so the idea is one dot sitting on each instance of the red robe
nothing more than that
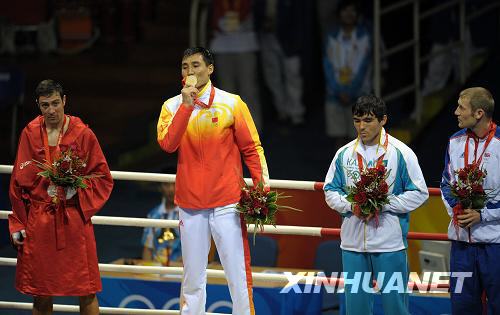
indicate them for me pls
(42, 268)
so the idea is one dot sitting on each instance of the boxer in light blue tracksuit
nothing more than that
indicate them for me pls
(366, 246)
(476, 245)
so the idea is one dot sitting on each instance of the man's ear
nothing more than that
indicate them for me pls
(479, 113)
(64, 100)
(210, 69)
(384, 120)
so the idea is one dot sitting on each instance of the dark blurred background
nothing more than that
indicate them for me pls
(118, 60)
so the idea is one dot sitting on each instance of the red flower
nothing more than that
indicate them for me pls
(462, 193)
(264, 210)
(462, 174)
(381, 170)
(360, 197)
(356, 210)
(383, 187)
(63, 147)
(65, 166)
(477, 189)
(245, 195)
(364, 180)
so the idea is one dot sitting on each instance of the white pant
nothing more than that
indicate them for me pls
(283, 78)
(229, 233)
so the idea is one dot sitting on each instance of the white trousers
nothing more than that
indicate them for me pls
(230, 236)
(283, 78)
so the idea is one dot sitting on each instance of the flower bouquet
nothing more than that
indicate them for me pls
(370, 193)
(65, 172)
(259, 206)
(468, 190)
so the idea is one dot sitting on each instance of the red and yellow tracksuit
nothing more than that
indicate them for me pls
(211, 142)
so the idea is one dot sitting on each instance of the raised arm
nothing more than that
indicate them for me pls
(172, 126)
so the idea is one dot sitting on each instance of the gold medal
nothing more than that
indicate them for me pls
(345, 75)
(191, 80)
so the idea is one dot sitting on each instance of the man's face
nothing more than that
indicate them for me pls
(349, 15)
(52, 108)
(195, 65)
(467, 118)
(368, 128)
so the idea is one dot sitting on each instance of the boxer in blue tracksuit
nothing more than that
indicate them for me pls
(476, 241)
(368, 246)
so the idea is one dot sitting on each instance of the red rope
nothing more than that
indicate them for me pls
(434, 191)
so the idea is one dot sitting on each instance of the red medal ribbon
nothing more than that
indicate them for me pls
(210, 100)
(491, 134)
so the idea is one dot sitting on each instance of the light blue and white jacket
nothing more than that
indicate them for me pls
(150, 235)
(407, 191)
(488, 230)
(352, 52)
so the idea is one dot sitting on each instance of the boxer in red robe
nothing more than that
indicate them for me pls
(54, 236)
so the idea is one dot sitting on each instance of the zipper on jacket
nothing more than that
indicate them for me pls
(364, 235)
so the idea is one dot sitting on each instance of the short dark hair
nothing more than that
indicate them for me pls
(205, 53)
(47, 88)
(369, 104)
(479, 98)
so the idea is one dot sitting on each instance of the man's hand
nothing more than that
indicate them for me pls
(189, 91)
(18, 238)
(188, 95)
(469, 218)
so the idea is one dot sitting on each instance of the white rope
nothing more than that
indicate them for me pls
(102, 310)
(156, 177)
(211, 273)
(142, 222)
(276, 278)
(6, 169)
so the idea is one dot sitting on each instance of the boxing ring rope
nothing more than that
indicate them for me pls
(102, 310)
(277, 278)
(268, 229)
(155, 177)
